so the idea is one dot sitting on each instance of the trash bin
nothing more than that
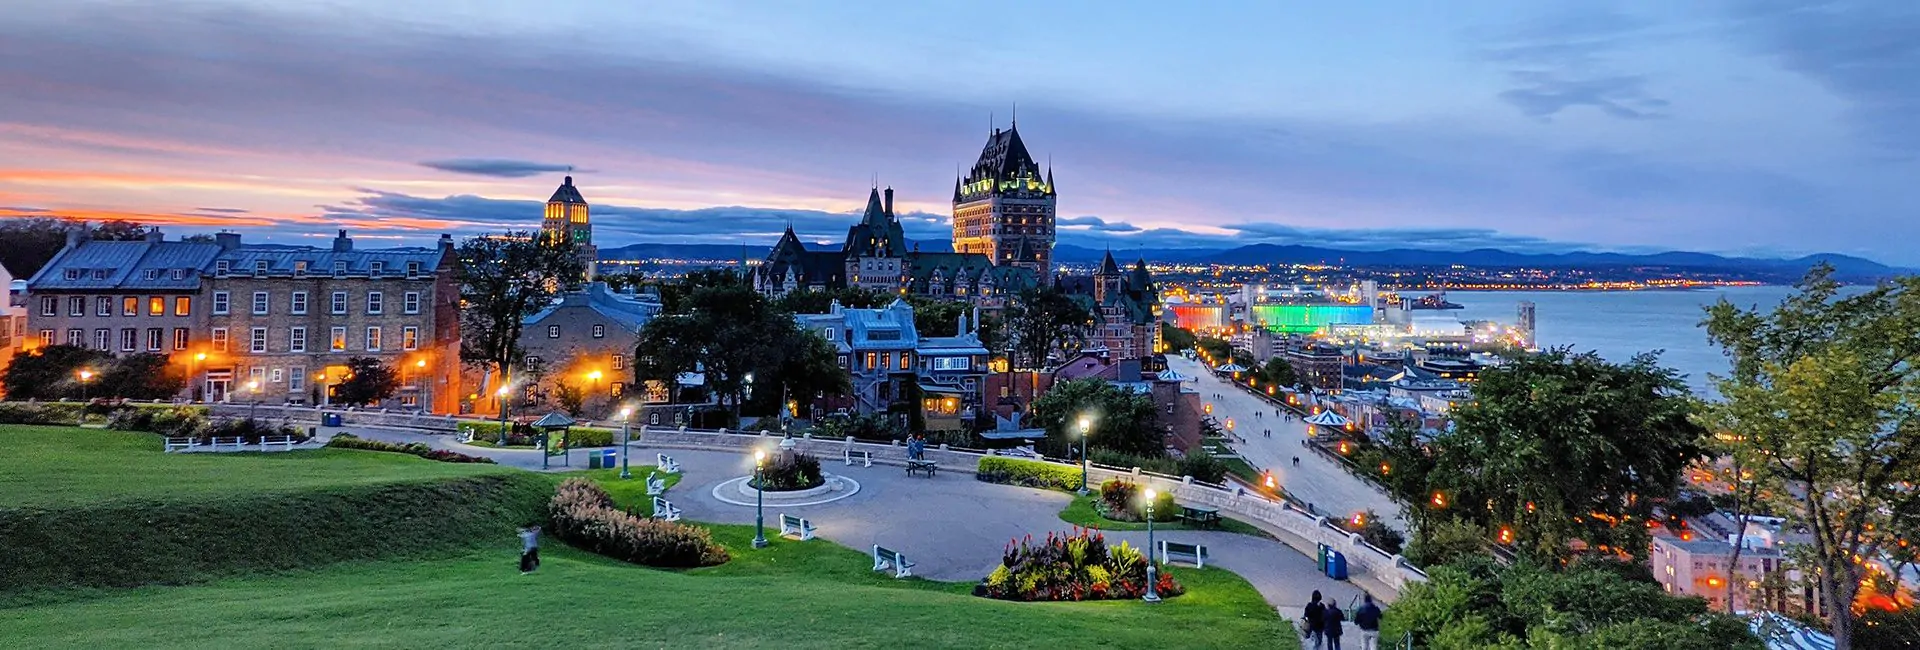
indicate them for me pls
(1320, 558)
(1337, 566)
(330, 419)
(602, 459)
(593, 461)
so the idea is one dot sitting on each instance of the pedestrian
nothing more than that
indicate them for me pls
(1368, 619)
(1331, 627)
(1312, 621)
(1296, 461)
(529, 548)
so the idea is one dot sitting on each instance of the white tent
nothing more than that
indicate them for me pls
(1327, 419)
(1231, 367)
(1170, 375)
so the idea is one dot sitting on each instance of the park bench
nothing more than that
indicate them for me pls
(1196, 553)
(466, 434)
(885, 558)
(180, 444)
(1199, 517)
(235, 442)
(284, 442)
(922, 466)
(668, 464)
(866, 457)
(796, 527)
(665, 510)
(656, 485)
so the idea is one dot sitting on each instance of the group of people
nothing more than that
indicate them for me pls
(917, 447)
(1323, 623)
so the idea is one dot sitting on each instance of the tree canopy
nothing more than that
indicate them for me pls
(731, 332)
(503, 280)
(368, 381)
(53, 372)
(1823, 389)
(1176, 338)
(1044, 320)
(1122, 420)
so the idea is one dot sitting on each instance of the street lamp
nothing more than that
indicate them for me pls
(193, 374)
(1086, 431)
(85, 376)
(626, 441)
(759, 499)
(502, 394)
(1153, 592)
(253, 387)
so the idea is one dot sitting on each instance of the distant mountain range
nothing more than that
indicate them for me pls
(1846, 265)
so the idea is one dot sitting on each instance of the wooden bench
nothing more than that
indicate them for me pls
(466, 434)
(235, 442)
(284, 442)
(922, 466)
(885, 558)
(795, 527)
(665, 510)
(1199, 517)
(866, 457)
(1195, 553)
(181, 444)
(656, 485)
(667, 464)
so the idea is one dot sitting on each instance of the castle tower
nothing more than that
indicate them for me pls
(1106, 281)
(1004, 206)
(567, 220)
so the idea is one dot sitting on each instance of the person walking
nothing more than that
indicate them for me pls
(529, 548)
(1368, 620)
(1296, 461)
(1312, 619)
(1331, 627)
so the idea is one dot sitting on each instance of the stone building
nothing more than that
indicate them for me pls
(269, 323)
(877, 256)
(1004, 208)
(1126, 308)
(587, 340)
(890, 365)
(568, 218)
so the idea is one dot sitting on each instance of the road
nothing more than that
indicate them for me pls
(1325, 484)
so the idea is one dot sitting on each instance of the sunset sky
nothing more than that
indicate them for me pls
(1770, 128)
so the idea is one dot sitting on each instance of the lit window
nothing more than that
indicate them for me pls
(373, 339)
(182, 305)
(338, 340)
(409, 337)
(129, 306)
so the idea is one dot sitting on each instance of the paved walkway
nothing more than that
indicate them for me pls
(952, 526)
(1324, 483)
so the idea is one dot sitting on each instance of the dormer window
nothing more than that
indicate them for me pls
(299, 268)
(150, 274)
(259, 268)
(99, 274)
(374, 270)
(178, 274)
(72, 274)
(413, 269)
(340, 269)
(222, 267)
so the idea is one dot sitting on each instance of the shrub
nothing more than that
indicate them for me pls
(791, 471)
(1122, 501)
(577, 437)
(581, 513)
(1029, 473)
(1198, 464)
(38, 413)
(350, 441)
(1080, 566)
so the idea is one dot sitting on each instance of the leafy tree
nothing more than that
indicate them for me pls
(1888, 630)
(1122, 421)
(53, 372)
(674, 295)
(728, 331)
(1277, 372)
(503, 280)
(572, 398)
(1823, 389)
(1558, 447)
(809, 368)
(31, 243)
(1176, 338)
(368, 381)
(938, 317)
(819, 302)
(1043, 320)
(863, 426)
(141, 376)
(1444, 541)
(1218, 349)
(121, 230)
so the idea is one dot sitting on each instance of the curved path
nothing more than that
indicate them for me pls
(952, 526)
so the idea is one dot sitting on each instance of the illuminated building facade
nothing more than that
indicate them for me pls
(1004, 207)
(1309, 319)
(1126, 308)
(586, 341)
(877, 256)
(567, 220)
(1199, 317)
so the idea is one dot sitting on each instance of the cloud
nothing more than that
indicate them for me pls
(1561, 62)
(1867, 53)
(1095, 224)
(223, 210)
(495, 167)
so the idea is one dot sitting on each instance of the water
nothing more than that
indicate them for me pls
(1620, 324)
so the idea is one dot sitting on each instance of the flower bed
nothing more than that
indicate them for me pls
(350, 441)
(1122, 501)
(1080, 566)
(582, 514)
(790, 471)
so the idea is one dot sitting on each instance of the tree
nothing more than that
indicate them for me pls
(727, 331)
(1881, 629)
(121, 230)
(810, 368)
(1277, 372)
(1823, 388)
(1558, 447)
(1042, 320)
(572, 398)
(937, 317)
(1122, 420)
(53, 372)
(811, 301)
(503, 280)
(674, 295)
(368, 381)
(31, 242)
(140, 376)
(1176, 338)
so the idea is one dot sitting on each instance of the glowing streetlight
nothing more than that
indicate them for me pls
(1153, 592)
(501, 393)
(759, 499)
(626, 441)
(85, 376)
(253, 388)
(1086, 431)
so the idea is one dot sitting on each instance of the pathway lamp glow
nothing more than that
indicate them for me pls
(626, 441)
(253, 388)
(85, 376)
(1086, 431)
(1153, 590)
(501, 393)
(759, 499)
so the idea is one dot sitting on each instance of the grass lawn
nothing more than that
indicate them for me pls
(53, 466)
(1080, 512)
(790, 595)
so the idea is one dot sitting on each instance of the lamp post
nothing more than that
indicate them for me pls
(1153, 592)
(85, 376)
(593, 386)
(1086, 431)
(759, 500)
(626, 441)
(198, 360)
(253, 389)
(502, 394)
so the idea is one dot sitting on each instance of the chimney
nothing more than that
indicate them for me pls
(446, 243)
(889, 202)
(227, 240)
(78, 234)
(976, 317)
(153, 235)
(342, 243)
(961, 328)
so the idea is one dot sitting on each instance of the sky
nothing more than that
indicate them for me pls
(1744, 127)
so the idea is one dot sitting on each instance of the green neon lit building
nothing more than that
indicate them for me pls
(1308, 319)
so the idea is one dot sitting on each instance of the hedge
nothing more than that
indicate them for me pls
(126, 544)
(577, 437)
(350, 441)
(1029, 473)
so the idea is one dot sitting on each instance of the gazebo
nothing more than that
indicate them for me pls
(1326, 418)
(548, 424)
(1172, 375)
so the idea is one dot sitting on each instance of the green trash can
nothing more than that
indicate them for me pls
(1320, 559)
(593, 461)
